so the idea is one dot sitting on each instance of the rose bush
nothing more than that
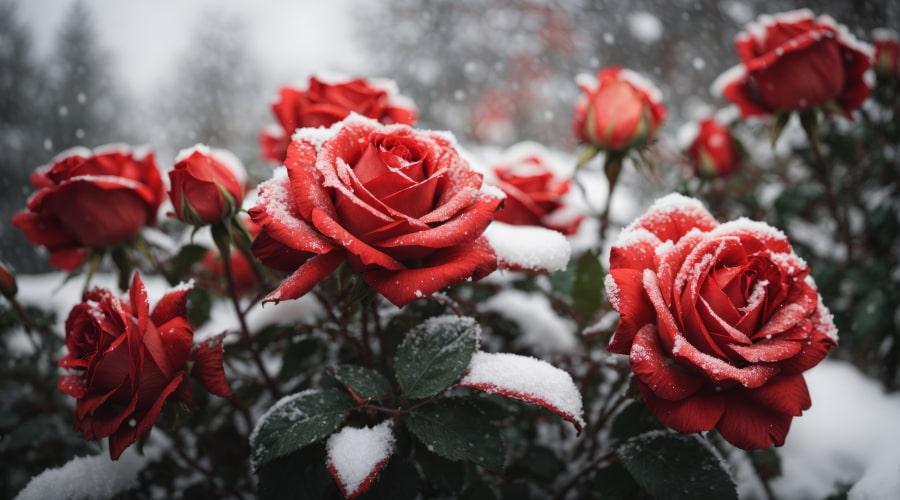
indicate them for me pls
(534, 192)
(399, 205)
(206, 185)
(793, 62)
(618, 110)
(719, 322)
(125, 362)
(324, 102)
(713, 151)
(71, 211)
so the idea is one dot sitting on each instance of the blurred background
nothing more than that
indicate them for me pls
(170, 74)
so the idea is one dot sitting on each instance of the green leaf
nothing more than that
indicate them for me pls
(444, 474)
(365, 382)
(297, 421)
(587, 290)
(613, 482)
(542, 464)
(434, 354)
(457, 431)
(26, 434)
(187, 256)
(478, 490)
(631, 421)
(676, 466)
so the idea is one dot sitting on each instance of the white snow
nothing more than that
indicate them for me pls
(357, 454)
(91, 477)
(526, 378)
(645, 26)
(529, 247)
(542, 329)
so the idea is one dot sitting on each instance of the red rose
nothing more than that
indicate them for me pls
(619, 110)
(887, 54)
(793, 62)
(534, 194)
(326, 102)
(205, 187)
(125, 362)
(91, 200)
(399, 205)
(712, 149)
(719, 322)
(8, 286)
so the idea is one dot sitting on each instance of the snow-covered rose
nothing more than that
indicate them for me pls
(91, 199)
(204, 188)
(325, 101)
(618, 110)
(399, 205)
(124, 362)
(713, 152)
(719, 322)
(534, 193)
(792, 62)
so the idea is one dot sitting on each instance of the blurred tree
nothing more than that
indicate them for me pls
(84, 103)
(213, 95)
(21, 136)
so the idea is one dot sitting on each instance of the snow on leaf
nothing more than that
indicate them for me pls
(529, 379)
(529, 247)
(357, 455)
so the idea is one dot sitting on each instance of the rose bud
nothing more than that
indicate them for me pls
(8, 285)
(618, 110)
(124, 362)
(711, 148)
(795, 62)
(534, 193)
(719, 322)
(325, 101)
(207, 185)
(88, 200)
(887, 54)
(399, 205)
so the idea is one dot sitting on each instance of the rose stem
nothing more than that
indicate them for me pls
(245, 332)
(823, 169)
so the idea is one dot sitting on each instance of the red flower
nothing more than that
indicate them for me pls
(325, 102)
(8, 286)
(793, 62)
(887, 54)
(399, 205)
(619, 110)
(125, 362)
(719, 322)
(712, 149)
(91, 200)
(534, 194)
(205, 187)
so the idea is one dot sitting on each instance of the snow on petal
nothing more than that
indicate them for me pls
(529, 247)
(529, 379)
(542, 329)
(357, 455)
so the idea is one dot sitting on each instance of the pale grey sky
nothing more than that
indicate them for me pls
(290, 38)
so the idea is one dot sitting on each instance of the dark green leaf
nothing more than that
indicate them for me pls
(296, 421)
(300, 357)
(675, 466)
(365, 382)
(457, 431)
(279, 479)
(873, 314)
(587, 291)
(542, 464)
(398, 481)
(26, 434)
(199, 306)
(631, 421)
(187, 256)
(434, 355)
(478, 490)
(444, 474)
(613, 482)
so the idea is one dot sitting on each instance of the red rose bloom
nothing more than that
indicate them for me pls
(91, 200)
(125, 362)
(204, 185)
(534, 194)
(399, 205)
(712, 149)
(887, 54)
(619, 110)
(719, 322)
(793, 62)
(326, 102)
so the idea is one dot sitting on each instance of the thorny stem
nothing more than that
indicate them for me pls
(246, 337)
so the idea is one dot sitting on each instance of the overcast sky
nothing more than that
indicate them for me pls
(290, 38)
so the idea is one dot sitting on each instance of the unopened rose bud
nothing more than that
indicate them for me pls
(8, 286)
(206, 185)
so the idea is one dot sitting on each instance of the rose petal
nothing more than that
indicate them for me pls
(208, 366)
(768, 350)
(694, 414)
(750, 426)
(306, 277)
(717, 370)
(625, 291)
(674, 216)
(651, 366)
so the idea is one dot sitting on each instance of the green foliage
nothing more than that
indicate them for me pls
(433, 356)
